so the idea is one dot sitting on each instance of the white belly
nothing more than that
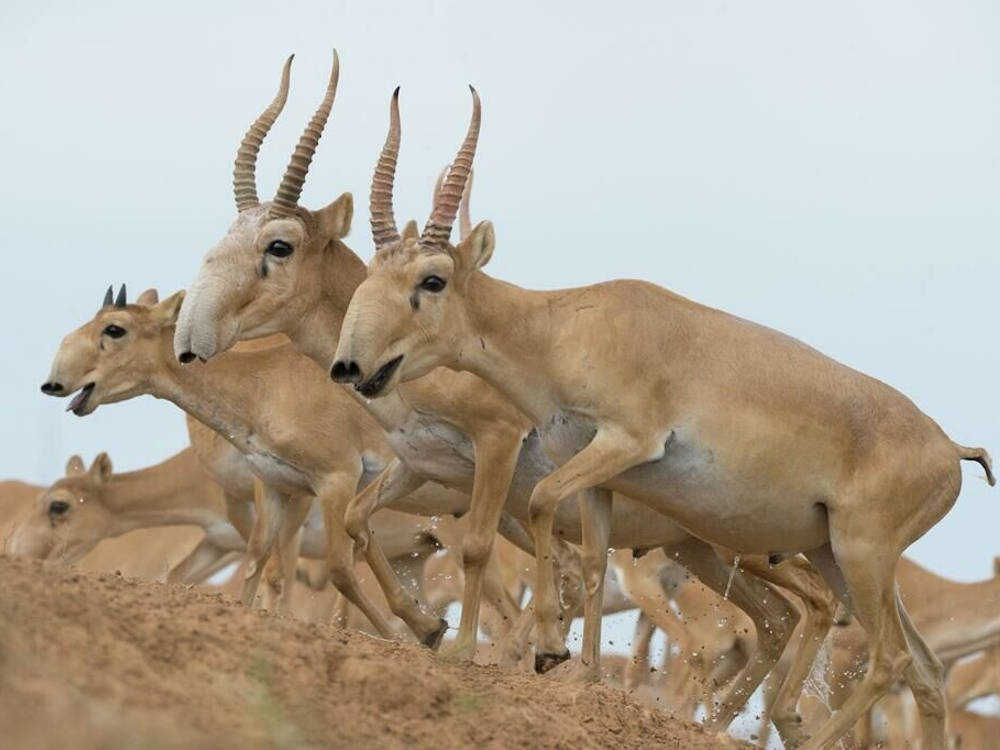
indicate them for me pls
(436, 450)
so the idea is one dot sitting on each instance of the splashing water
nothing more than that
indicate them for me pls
(732, 574)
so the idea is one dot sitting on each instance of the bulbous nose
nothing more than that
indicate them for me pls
(345, 372)
(52, 388)
(186, 358)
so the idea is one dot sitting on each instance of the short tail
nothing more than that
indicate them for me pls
(980, 456)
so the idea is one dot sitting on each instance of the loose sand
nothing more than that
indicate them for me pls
(100, 661)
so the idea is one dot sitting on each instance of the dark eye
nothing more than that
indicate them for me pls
(432, 284)
(115, 332)
(280, 249)
(58, 507)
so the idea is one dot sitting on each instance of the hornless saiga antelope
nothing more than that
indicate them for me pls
(283, 268)
(296, 438)
(747, 437)
(143, 553)
(86, 506)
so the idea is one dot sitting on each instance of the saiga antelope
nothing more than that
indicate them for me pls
(749, 438)
(283, 268)
(86, 506)
(143, 553)
(264, 402)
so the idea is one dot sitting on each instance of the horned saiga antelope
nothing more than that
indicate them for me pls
(284, 268)
(746, 437)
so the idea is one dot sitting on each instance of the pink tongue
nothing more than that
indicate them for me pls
(78, 399)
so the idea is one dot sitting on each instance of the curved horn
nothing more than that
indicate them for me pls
(244, 181)
(464, 219)
(439, 184)
(109, 296)
(287, 197)
(120, 299)
(384, 230)
(438, 229)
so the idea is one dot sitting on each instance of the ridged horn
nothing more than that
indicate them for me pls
(120, 299)
(464, 218)
(109, 296)
(287, 197)
(244, 179)
(438, 230)
(383, 222)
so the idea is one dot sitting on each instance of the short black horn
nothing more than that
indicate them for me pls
(120, 300)
(109, 297)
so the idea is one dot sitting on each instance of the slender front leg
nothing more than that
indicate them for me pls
(637, 668)
(610, 453)
(394, 482)
(240, 513)
(773, 616)
(270, 504)
(289, 543)
(428, 629)
(595, 518)
(496, 458)
(198, 565)
(335, 494)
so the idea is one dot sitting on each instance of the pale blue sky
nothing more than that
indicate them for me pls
(829, 169)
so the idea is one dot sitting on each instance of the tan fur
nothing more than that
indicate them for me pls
(449, 427)
(749, 438)
(97, 504)
(293, 429)
(974, 678)
(145, 553)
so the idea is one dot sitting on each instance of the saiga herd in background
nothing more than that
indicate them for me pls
(752, 460)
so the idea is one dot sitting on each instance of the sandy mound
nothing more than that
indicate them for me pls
(94, 661)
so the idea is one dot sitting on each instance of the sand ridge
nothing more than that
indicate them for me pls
(99, 660)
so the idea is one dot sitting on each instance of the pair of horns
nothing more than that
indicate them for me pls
(110, 299)
(447, 196)
(244, 180)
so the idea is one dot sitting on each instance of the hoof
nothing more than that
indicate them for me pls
(545, 662)
(433, 639)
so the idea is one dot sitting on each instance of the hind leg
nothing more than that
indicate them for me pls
(637, 668)
(925, 676)
(866, 559)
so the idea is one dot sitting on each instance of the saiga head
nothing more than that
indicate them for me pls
(70, 518)
(116, 355)
(409, 315)
(256, 279)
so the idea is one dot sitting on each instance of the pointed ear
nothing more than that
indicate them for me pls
(148, 298)
(75, 466)
(166, 312)
(410, 232)
(475, 251)
(100, 470)
(335, 219)
(996, 566)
